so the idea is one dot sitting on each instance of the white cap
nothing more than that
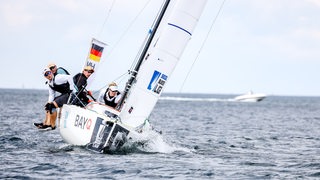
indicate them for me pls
(46, 70)
(113, 88)
(88, 68)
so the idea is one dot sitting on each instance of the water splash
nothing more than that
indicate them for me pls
(153, 142)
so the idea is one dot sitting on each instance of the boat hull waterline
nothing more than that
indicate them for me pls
(98, 131)
(250, 97)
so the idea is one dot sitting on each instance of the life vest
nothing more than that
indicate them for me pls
(61, 88)
(110, 101)
(62, 70)
(80, 82)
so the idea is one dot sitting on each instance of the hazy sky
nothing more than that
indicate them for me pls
(268, 46)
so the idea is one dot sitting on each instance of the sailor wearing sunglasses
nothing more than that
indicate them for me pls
(60, 86)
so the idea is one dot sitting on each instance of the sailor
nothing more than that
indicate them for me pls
(110, 96)
(57, 70)
(60, 83)
(80, 80)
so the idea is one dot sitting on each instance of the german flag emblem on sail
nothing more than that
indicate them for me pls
(95, 52)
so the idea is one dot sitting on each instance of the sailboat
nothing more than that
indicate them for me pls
(101, 128)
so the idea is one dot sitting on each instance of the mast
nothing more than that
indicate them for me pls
(143, 54)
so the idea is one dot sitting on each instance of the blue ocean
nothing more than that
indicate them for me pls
(203, 136)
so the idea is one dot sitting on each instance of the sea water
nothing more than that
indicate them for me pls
(203, 136)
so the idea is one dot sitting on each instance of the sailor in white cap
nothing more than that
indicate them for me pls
(60, 83)
(110, 96)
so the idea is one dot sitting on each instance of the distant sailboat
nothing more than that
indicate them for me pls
(251, 97)
(102, 128)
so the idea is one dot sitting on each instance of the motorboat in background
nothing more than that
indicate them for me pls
(251, 97)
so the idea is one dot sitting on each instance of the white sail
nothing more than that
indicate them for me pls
(160, 60)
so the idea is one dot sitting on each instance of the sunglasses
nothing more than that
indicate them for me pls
(47, 73)
(52, 67)
(89, 71)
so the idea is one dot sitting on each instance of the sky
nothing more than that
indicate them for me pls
(267, 46)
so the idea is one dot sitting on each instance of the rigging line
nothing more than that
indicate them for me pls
(107, 17)
(127, 29)
(122, 35)
(140, 51)
(142, 55)
(145, 40)
(204, 42)
(107, 84)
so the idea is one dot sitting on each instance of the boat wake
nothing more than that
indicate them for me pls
(169, 98)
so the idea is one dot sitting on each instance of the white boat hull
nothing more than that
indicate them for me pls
(99, 130)
(250, 97)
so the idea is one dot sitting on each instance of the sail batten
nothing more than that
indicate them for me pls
(170, 24)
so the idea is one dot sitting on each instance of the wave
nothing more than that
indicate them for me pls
(152, 142)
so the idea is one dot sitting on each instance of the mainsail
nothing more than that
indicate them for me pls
(160, 60)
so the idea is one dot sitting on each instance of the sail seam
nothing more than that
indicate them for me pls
(180, 28)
